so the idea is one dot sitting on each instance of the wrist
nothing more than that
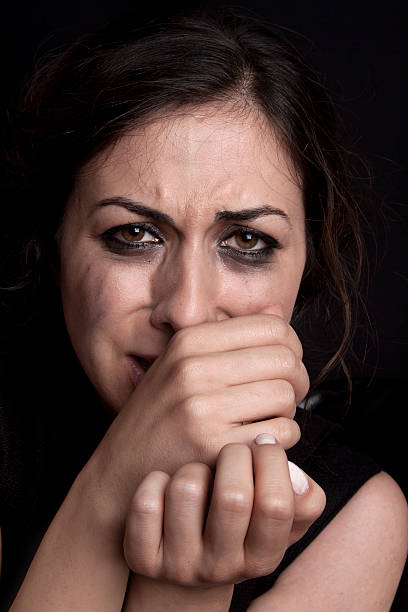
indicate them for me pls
(91, 496)
(79, 564)
(145, 595)
(113, 476)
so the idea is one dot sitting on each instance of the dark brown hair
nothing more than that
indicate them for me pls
(126, 75)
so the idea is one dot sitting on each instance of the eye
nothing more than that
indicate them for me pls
(248, 245)
(136, 233)
(131, 236)
(245, 240)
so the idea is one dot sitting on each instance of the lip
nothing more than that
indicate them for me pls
(138, 365)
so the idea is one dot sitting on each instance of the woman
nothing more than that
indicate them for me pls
(184, 194)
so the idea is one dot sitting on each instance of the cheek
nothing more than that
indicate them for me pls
(97, 297)
(272, 291)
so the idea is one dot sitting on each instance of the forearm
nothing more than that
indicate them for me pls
(79, 564)
(147, 595)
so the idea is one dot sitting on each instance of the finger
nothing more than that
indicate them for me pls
(185, 509)
(144, 525)
(286, 431)
(230, 509)
(243, 366)
(308, 506)
(273, 510)
(252, 402)
(235, 333)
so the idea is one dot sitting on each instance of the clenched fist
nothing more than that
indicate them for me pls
(214, 384)
(193, 532)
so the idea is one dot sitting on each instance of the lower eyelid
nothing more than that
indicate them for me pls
(266, 254)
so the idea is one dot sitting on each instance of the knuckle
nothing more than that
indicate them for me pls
(192, 414)
(287, 358)
(287, 431)
(289, 393)
(277, 327)
(195, 471)
(279, 507)
(143, 503)
(185, 488)
(194, 407)
(288, 397)
(234, 500)
(185, 371)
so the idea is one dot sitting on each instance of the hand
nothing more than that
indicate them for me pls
(194, 398)
(172, 539)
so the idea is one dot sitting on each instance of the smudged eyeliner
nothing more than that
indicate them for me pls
(250, 256)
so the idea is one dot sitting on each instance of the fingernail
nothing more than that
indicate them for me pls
(298, 478)
(265, 438)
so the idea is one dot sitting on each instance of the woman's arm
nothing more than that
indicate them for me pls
(355, 563)
(186, 557)
(190, 403)
(79, 564)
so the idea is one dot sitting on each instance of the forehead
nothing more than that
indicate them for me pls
(209, 157)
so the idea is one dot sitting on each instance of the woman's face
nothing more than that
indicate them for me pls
(194, 218)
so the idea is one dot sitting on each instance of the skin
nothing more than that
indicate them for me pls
(227, 367)
(190, 167)
(189, 300)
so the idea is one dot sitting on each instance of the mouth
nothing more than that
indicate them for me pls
(138, 366)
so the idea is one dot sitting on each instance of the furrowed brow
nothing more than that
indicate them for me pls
(249, 214)
(137, 208)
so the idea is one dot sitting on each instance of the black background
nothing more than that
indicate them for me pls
(360, 50)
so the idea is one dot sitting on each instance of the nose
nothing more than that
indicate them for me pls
(186, 293)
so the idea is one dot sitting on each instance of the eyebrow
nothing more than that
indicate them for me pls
(137, 208)
(246, 214)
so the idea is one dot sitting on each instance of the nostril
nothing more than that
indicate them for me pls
(145, 363)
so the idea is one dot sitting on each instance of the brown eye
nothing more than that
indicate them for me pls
(249, 245)
(246, 240)
(131, 238)
(133, 233)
